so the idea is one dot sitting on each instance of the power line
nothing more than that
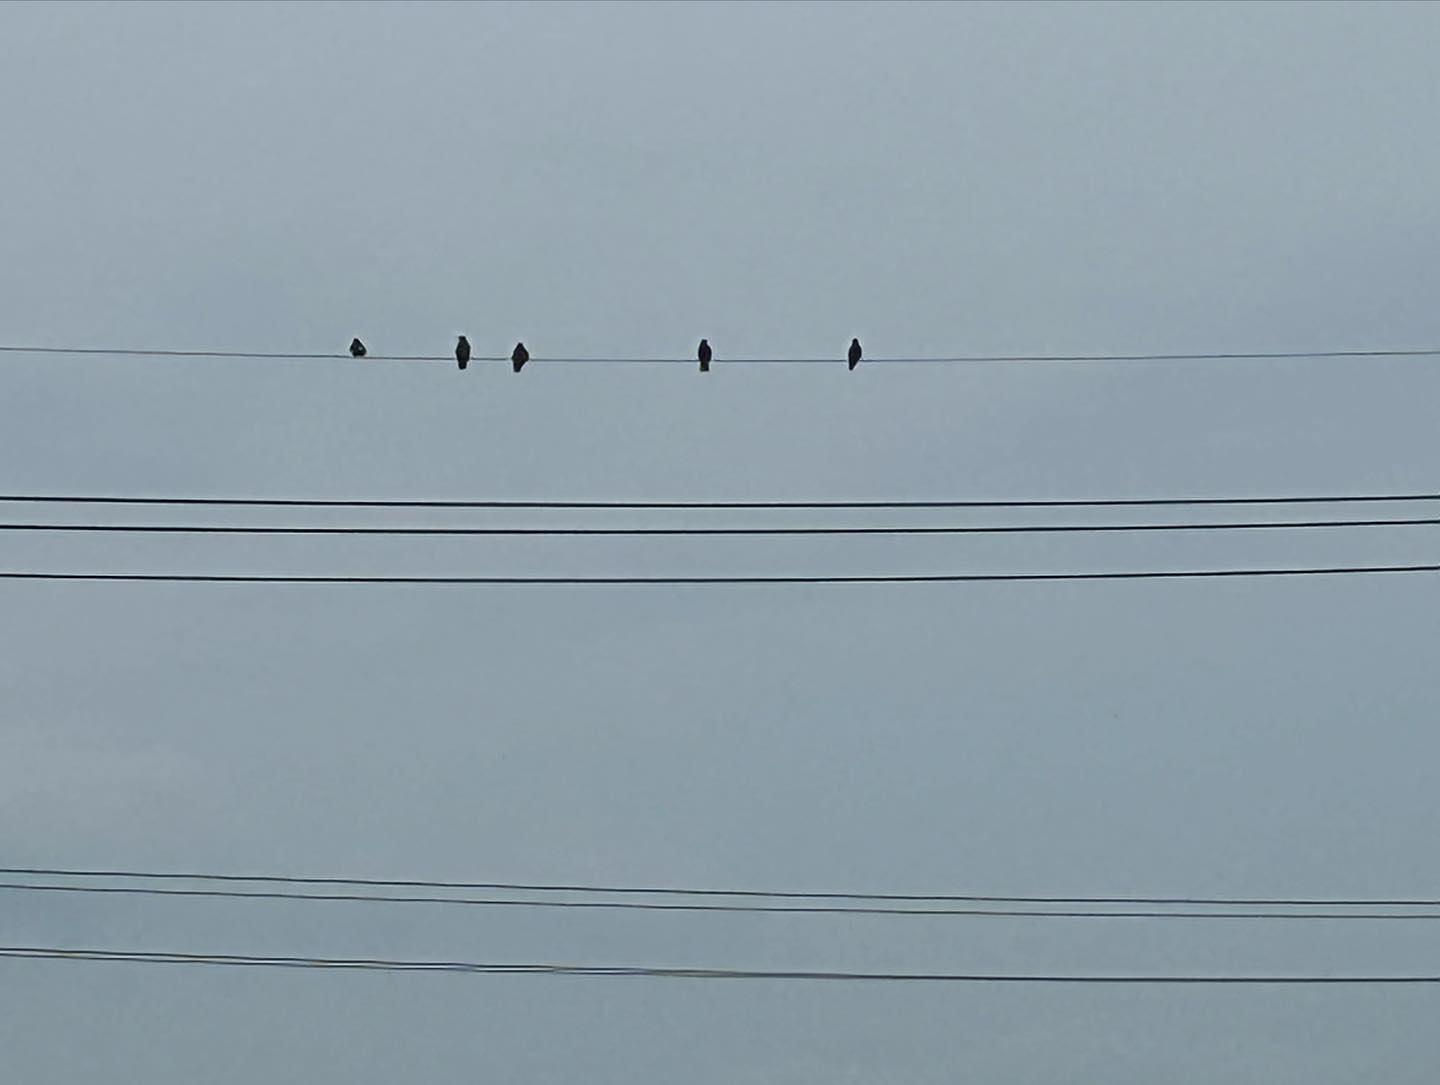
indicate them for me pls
(365, 964)
(253, 355)
(1262, 355)
(672, 890)
(1007, 529)
(698, 581)
(385, 503)
(668, 906)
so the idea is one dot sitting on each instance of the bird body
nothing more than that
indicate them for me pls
(855, 353)
(519, 356)
(357, 349)
(462, 351)
(704, 354)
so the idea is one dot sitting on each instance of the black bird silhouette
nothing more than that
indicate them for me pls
(519, 356)
(704, 354)
(357, 349)
(462, 351)
(855, 353)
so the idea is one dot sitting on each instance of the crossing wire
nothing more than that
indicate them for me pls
(370, 964)
(672, 890)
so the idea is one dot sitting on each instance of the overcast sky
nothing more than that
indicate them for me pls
(609, 179)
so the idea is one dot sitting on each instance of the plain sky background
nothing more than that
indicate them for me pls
(608, 179)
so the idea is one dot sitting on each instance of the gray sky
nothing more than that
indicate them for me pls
(604, 179)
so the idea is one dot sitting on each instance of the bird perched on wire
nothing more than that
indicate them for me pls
(519, 356)
(704, 354)
(357, 349)
(462, 351)
(855, 353)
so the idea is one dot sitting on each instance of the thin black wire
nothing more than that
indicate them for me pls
(670, 890)
(832, 360)
(650, 906)
(1009, 529)
(248, 354)
(639, 581)
(382, 503)
(363, 964)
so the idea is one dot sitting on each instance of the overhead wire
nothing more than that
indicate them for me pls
(633, 532)
(368, 964)
(154, 957)
(778, 505)
(1260, 355)
(699, 581)
(692, 907)
(690, 891)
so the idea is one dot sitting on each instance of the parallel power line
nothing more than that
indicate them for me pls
(634, 532)
(700, 581)
(734, 506)
(1197, 356)
(690, 891)
(368, 964)
(691, 906)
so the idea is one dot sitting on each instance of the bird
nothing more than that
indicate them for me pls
(357, 349)
(704, 354)
(519, 356)
(855, 353)
(462, 351)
